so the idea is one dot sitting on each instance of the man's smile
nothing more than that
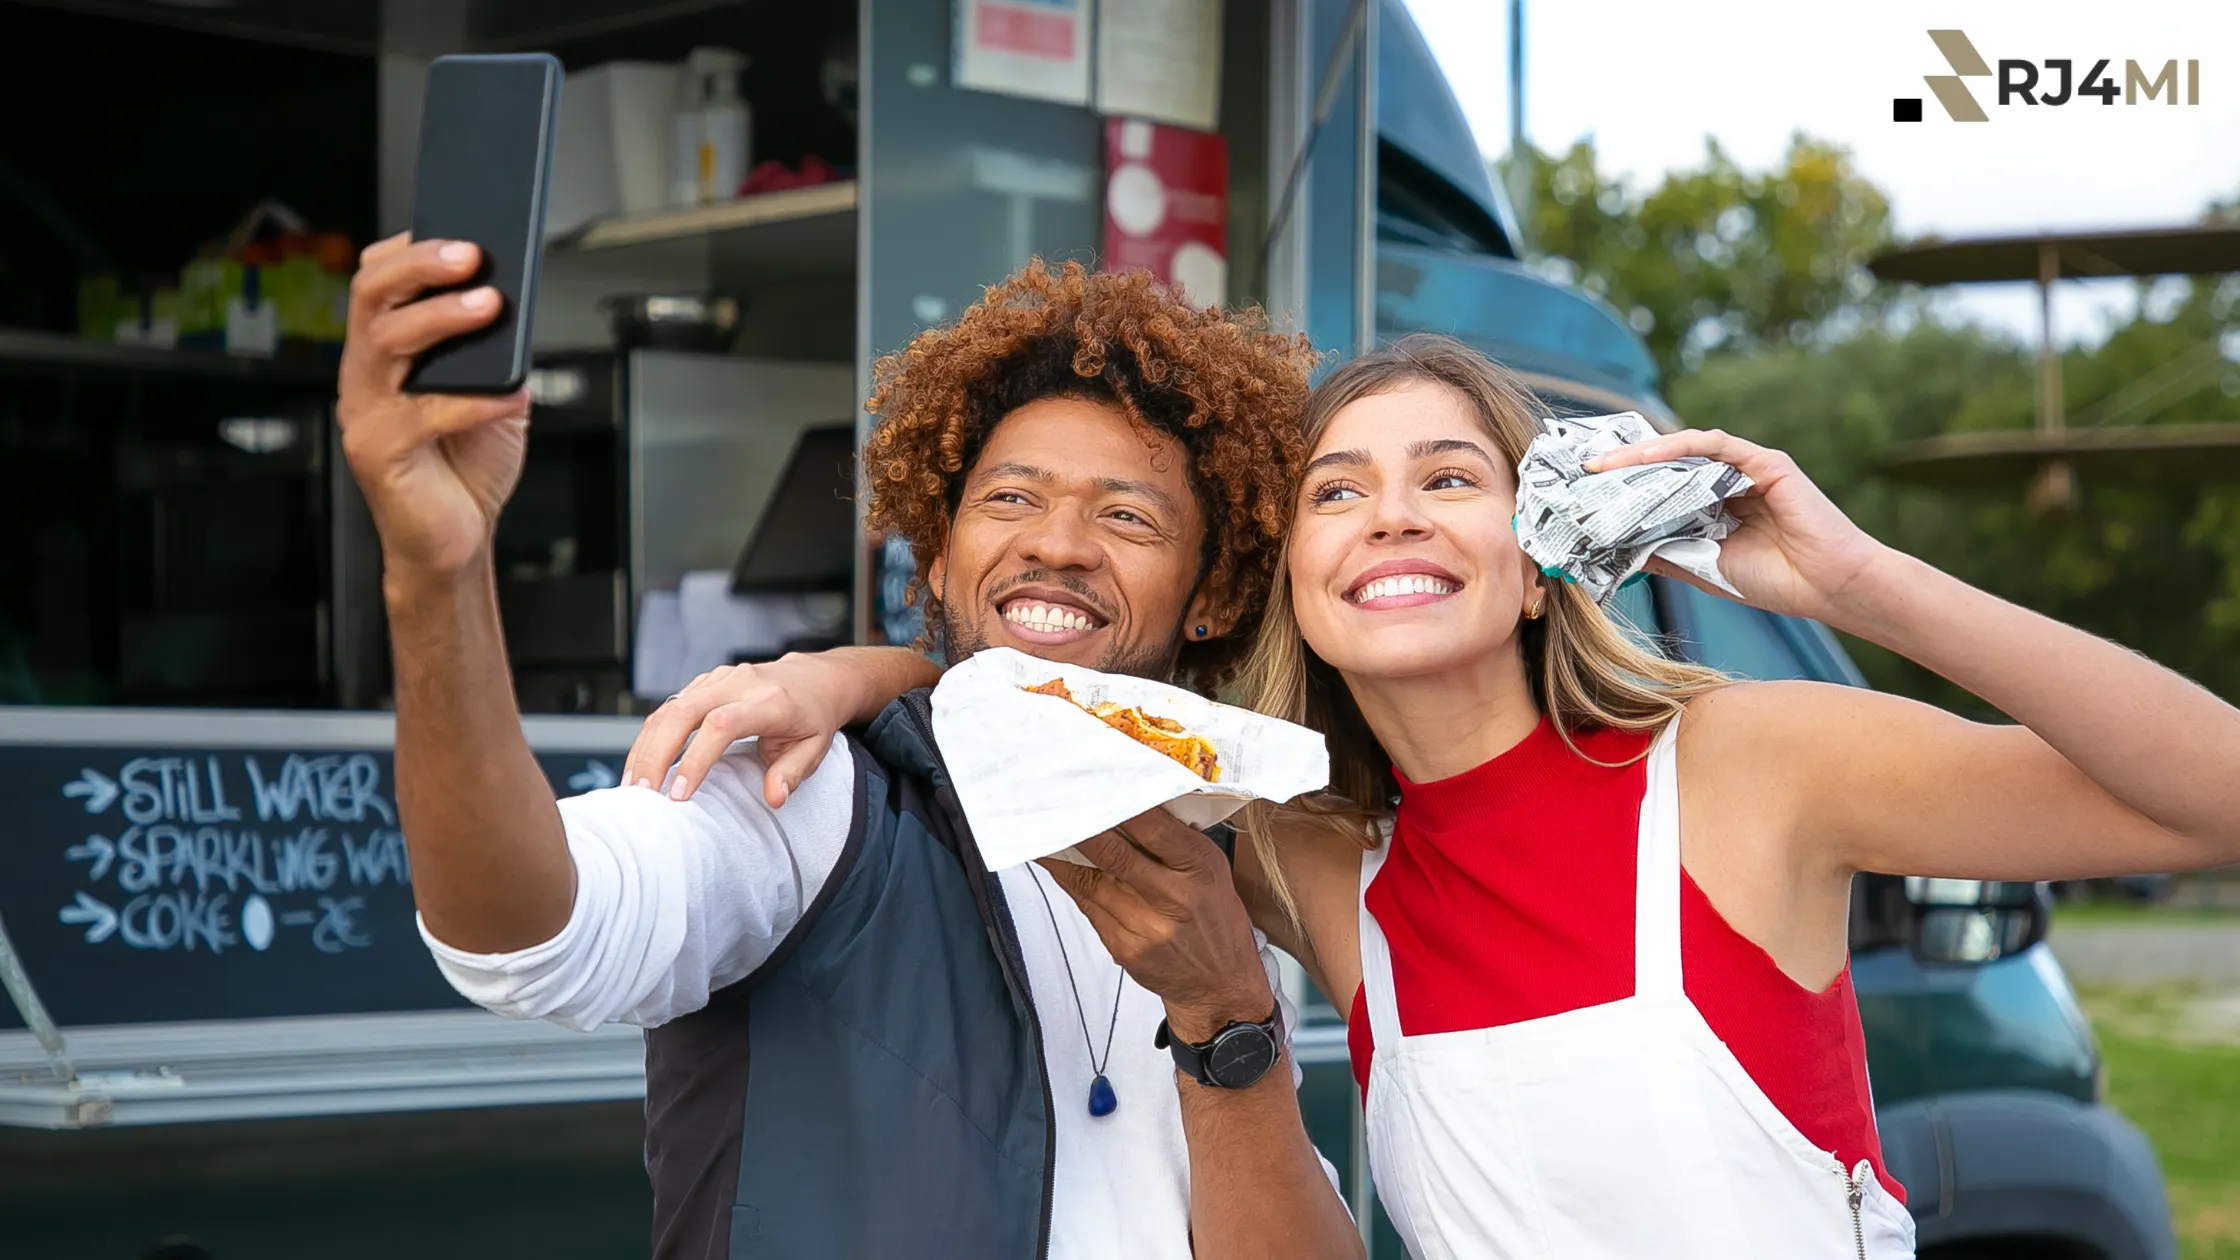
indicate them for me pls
(1047, 618)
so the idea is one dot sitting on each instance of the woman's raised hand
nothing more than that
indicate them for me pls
(1795, 553)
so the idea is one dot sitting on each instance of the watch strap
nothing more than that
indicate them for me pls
(1193, 1060)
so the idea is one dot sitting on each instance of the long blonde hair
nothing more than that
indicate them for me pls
(1584, 672)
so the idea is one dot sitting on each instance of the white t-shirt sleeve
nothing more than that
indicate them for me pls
(674, 899)
(1287, 1018)
(1287, 1014)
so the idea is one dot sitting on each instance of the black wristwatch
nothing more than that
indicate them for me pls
(1239, 1055)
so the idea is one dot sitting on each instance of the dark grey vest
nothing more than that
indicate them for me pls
(877, 1087)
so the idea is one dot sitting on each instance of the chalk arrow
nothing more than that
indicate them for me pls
(101, 920)
(97, 789)
(100, 850)
(594, 776)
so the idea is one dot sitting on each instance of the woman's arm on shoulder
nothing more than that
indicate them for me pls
(794, 705)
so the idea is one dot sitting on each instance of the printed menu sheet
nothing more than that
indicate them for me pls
(1161, 60)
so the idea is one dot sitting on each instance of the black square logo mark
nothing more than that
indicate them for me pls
(1905, 109)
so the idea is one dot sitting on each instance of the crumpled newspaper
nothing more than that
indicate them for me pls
(1597, 530)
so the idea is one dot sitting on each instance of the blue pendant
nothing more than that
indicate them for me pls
(1102, 1101)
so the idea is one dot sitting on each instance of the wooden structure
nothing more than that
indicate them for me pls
(2047, 455)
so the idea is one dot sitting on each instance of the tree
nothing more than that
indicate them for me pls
(1716, 259)
(2155, 567)
(1751, 289)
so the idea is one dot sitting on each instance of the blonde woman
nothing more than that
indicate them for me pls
(1595, 959)
(1586, 908)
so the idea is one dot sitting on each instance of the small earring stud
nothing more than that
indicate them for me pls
(1201, 632)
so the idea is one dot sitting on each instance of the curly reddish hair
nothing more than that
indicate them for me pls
(1218, 382)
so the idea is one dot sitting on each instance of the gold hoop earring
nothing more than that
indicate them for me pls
(1539, 606)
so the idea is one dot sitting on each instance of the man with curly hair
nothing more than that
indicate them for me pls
(860, 1041)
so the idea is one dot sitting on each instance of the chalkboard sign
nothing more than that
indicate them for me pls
(144, 883)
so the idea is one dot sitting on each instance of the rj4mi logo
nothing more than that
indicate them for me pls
(2051, 82)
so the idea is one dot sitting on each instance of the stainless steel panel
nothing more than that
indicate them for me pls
(708, 436)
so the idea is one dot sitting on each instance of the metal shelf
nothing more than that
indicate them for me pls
(593, 734)
(329, 1065)
(57, 350)
(795, 233)
(792, 205)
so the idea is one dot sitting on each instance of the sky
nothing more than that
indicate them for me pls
(1648, 80)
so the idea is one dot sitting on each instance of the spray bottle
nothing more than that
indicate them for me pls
(710, 144)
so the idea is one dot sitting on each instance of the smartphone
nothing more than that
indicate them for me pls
(486, 130)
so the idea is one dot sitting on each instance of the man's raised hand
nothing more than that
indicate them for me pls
(434, 468)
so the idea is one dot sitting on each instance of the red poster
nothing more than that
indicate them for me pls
(1020, 29)
(1166, 206)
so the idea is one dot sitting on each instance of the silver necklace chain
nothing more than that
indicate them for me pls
(1073, 986)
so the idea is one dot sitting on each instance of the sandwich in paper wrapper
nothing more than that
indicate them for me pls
(1597, 530)
(1044, 756)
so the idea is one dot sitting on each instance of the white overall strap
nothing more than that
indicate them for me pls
(1376, 959)
(1656, 898)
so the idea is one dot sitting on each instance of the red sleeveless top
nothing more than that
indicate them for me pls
(1508, 896)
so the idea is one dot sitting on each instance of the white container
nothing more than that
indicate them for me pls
(611, 152)
(684, 152)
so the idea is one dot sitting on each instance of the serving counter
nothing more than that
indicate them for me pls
(208, 916)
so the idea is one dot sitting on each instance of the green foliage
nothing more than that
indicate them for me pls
(2156, 568)
(1716, 258)
(1751, 290)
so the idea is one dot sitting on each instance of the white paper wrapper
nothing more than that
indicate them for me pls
(1599, 529)
(1037, 775)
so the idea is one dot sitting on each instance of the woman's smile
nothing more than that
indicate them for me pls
(1401, 584)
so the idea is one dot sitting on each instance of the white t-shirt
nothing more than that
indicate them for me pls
(676, 899)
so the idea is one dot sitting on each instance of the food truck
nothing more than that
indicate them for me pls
(222, 1034)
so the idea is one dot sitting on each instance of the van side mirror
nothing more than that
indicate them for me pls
(1966, 922)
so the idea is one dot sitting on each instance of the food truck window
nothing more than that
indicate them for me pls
(163, 142)
(175, 525)
(163, 504)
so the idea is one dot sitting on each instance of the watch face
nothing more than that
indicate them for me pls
(1241, 1056)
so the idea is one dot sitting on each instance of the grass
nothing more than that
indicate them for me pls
(2113, 913)
(2173, 1065)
